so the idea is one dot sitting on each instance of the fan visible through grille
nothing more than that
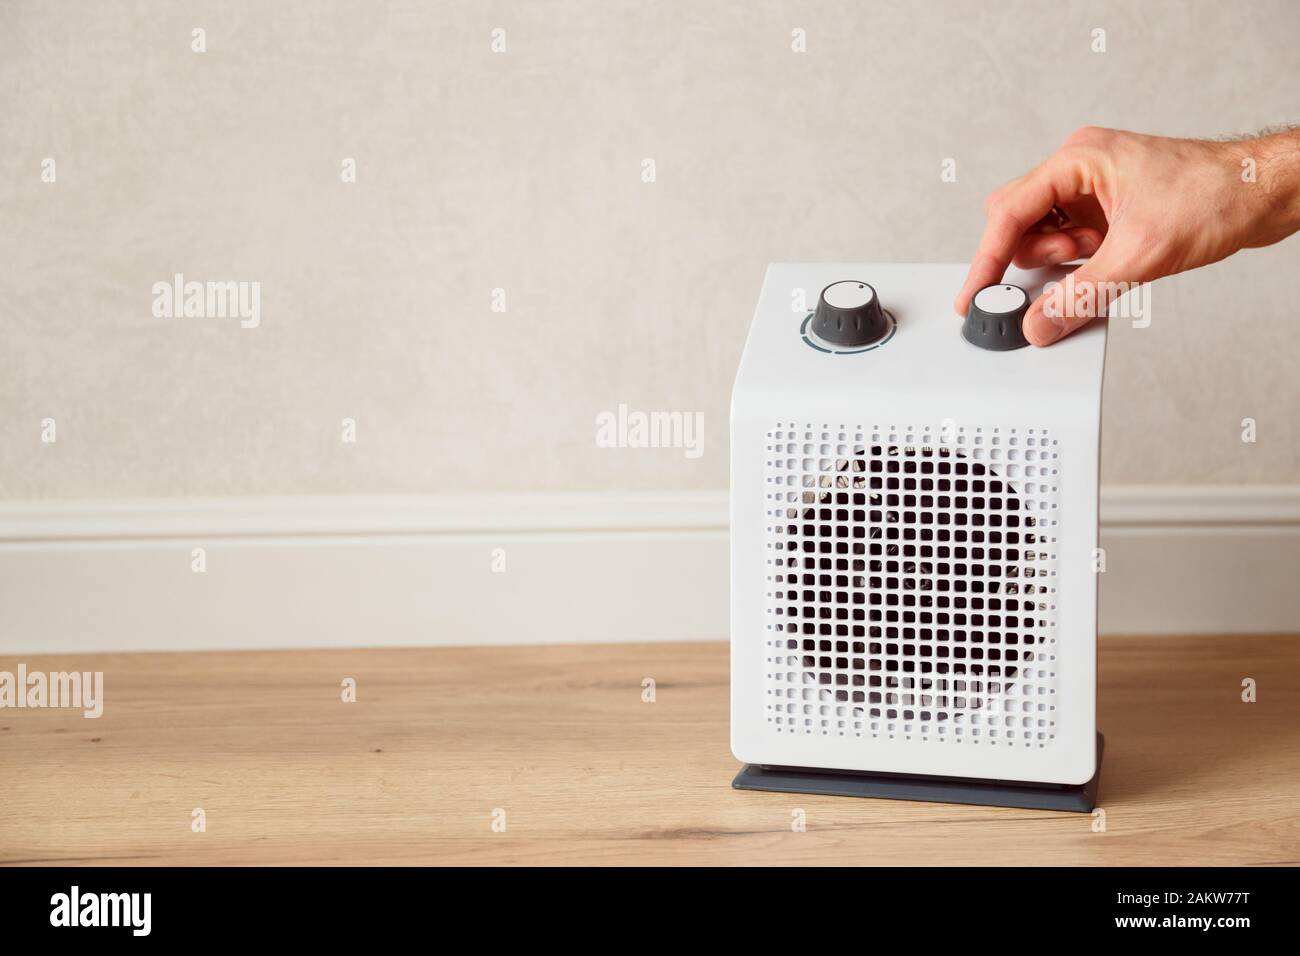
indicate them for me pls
(910, 583)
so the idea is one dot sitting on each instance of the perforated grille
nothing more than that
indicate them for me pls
(911, 583)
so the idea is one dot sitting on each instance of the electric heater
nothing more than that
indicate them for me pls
(913, 542)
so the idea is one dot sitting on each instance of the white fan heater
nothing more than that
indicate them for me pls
(913, 535)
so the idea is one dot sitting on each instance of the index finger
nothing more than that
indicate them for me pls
(1012, 211)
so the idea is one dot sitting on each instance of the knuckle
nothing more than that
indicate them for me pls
(1088, 136)
(1080, 155)
(997, 202)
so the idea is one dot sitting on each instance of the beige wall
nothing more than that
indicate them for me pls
(523, 171)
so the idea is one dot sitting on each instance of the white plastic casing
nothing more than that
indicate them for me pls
(917, 664)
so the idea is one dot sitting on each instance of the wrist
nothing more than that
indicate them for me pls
(1276, 167)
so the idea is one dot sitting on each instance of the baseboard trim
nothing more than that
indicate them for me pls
(1193, 506)
(371, 515)
(539, 568)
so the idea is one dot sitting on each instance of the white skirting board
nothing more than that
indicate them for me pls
(539, 568)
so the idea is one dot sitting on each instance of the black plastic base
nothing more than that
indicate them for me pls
(899, 786)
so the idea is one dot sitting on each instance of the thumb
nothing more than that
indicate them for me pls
(1073, 302)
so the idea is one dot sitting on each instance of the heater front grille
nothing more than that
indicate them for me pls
(911, 583)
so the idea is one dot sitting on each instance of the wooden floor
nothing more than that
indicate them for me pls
(559, 739)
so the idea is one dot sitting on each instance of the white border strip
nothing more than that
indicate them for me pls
(104, 576)
(1200, 506)
(569, 512)
(127, 518)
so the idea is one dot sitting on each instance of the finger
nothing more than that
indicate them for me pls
(1072, 304)
(1014, 209)
(1050, 248)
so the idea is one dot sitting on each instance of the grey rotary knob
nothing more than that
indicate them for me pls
(994, 318)
(849, 314)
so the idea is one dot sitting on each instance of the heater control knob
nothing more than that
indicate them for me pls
(994, 317)
(849, 314)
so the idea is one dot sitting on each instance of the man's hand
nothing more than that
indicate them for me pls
(1141, 207)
